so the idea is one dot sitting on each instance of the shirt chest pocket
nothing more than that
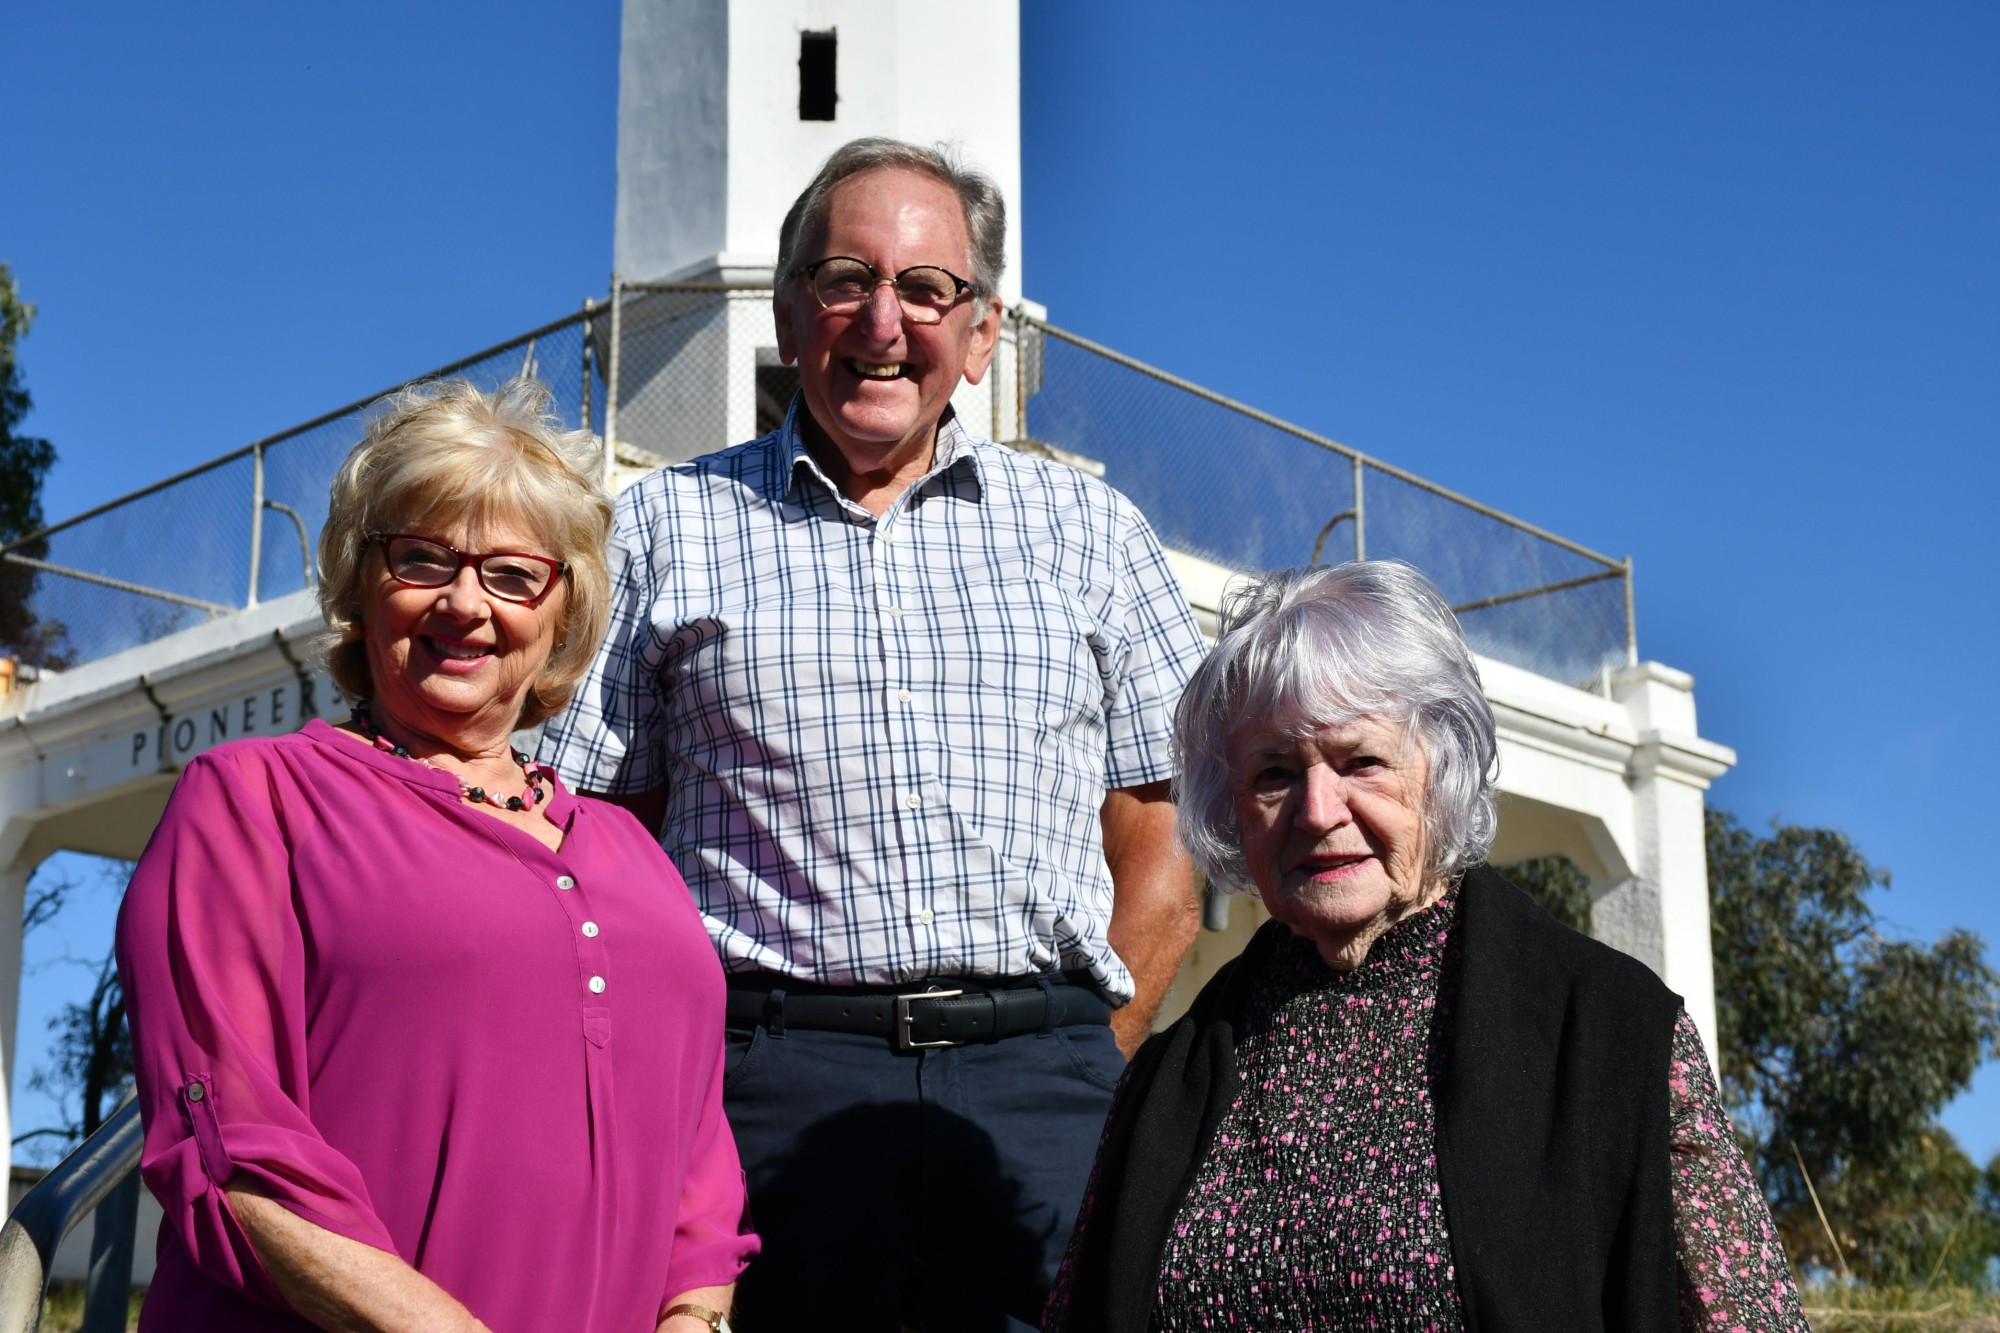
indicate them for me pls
(1032, 649)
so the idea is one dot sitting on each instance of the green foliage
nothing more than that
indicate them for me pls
(62, 1312)
(24, 463)
(1839, 1047)
(1555, 883)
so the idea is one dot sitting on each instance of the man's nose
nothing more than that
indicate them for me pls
(883, 314)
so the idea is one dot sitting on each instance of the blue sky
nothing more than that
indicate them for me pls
(1714, 286)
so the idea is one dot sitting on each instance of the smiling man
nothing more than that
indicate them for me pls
(898, 701)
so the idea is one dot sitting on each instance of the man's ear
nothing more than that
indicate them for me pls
(985, 338)
(781, 316)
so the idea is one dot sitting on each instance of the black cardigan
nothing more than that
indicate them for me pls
(1552, 1124)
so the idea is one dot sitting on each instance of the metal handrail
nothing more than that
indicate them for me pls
(1300, 432)
(1032, 333)
(450, 368)
(54, 1208)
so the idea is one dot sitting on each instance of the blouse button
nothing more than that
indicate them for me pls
(597, 985)
(565, 882)
(590, 930)
(195, 1091)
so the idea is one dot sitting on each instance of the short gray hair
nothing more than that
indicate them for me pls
(1370, 638)
(985, 209)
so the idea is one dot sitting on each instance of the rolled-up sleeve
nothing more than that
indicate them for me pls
(1163, 647)
(712, 1237)
(213, 960)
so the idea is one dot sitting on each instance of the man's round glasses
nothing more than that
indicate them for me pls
(512, 576)
(842, 285)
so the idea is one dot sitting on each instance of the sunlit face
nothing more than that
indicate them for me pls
(456, 663)
(876, 383)
(1333, 828)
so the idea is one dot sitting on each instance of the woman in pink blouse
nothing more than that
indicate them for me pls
(423, 1040)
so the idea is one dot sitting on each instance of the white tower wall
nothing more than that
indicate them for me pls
(711, 149)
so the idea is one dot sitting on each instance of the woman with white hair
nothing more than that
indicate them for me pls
(423, 1040)
(1415, 1101)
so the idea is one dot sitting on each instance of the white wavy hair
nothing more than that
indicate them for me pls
(1369, 638)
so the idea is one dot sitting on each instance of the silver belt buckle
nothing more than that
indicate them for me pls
(904, 1019)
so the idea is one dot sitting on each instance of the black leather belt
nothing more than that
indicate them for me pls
(938, 1016)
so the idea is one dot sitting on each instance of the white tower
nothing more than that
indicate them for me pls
(725, 110)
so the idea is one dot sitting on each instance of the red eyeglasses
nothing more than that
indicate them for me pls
(512, 576)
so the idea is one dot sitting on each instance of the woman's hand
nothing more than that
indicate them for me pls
(341, 1284)
(708, 1298)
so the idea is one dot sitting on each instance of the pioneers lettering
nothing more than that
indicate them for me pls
(279, 709)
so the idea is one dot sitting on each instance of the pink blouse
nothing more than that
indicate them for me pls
(420, 1028)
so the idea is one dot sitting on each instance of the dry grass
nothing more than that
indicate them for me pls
(1839, 1309)
(63, 1312)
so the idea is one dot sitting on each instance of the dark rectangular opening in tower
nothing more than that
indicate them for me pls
(817, 90)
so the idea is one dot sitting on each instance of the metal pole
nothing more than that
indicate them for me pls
(611, 383)
(305, 546)
(1360, 512)
(1020, 374)
(588, 306)
(993, 385)
(107, 1300)
(256, 520)
(1631, 619)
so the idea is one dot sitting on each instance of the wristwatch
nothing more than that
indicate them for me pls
(715, 1319)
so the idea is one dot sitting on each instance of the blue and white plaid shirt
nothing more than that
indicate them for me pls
(885, 743)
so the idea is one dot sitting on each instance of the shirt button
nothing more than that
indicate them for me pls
(902, 696)
(926, 916)
(590, 929)
(913, 800)
(565, 882)
(895, 613)
(196, 1092)
(885, 534)
(597, 985)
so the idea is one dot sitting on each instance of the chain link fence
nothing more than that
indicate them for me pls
(229, 534)
(673, 371)
(1247, 491)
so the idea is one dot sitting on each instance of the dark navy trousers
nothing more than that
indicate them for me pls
(930, 1190)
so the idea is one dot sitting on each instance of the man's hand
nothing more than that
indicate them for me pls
(1154, 915)
(650, 805)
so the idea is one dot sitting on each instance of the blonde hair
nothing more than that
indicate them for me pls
(445, 453)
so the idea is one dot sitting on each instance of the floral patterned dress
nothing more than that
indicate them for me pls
(1317, 1206)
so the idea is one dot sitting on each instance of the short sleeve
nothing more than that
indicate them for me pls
(712, 1237)
(1734, 1275)
(1163, 647)
(212, 958)
(608, 739)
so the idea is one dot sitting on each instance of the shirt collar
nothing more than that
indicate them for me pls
(786, 451)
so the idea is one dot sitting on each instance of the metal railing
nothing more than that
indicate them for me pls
(100, 1177)
(194, 546)
(1244, 489)
(669, 371)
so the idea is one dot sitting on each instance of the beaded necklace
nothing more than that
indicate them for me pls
(530, 770)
